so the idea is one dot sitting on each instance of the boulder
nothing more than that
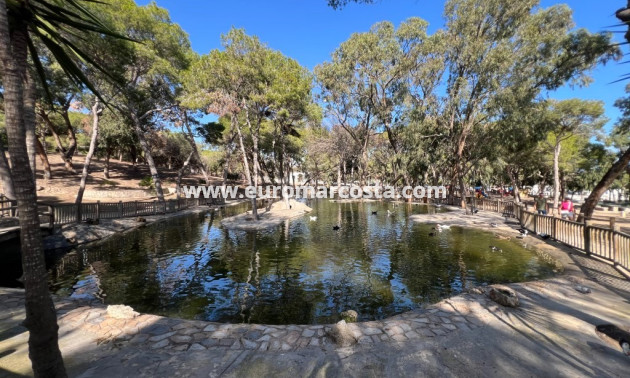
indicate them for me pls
(342, 335)
(121, 312)
(350, 316)
(141, 219)
(503, 295)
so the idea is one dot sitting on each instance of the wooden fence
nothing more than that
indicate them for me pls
(70, 213)
(609, 244)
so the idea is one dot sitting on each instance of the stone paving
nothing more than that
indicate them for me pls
(156, 332)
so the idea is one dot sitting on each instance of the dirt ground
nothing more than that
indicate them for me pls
(63, 186)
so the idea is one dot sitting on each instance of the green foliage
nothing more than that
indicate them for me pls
(146, 182)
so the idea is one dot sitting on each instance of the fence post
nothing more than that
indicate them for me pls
(51, 210)
(98, 210)
(536, 223)
(614, 243)
(120, 209)
(135, 205)
(554, 228)
(587, 236)
(154, 207)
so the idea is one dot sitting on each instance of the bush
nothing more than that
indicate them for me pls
(146, 182)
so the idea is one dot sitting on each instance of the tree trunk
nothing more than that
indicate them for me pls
(148, 157)
(248, 174)
(72, 137)
(5, 176)
(514, 180)
(43, 156)
(588, 207)
(195, 150)
(180, 173)
(30, 93)
(254, 131)
(62, 150)
(556, 176)
(108, 154)
(96, 111)
(41, 319)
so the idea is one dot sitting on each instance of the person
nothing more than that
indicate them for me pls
(541, 204)
(566, 209)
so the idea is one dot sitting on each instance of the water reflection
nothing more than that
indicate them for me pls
(302, 271)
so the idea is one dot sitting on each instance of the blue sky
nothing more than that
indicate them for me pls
(308, 30)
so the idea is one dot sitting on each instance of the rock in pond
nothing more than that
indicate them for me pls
(350, 316)
(121, 312)
(503, 295)
(342, 335)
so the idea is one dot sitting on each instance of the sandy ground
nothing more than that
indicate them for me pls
(277, 214)
(552, 333)
(63, 186)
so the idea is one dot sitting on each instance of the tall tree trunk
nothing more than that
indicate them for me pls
(195, 150)
(5, 176)
(514, 180)
(72, 138)
(339, 174)
(108, 154)
(148, 157)
(248, 174)
(556, 176)
(43, 156)
(62, 150)
(30, 93)
(586, 212)
(96, 112)
(254, 131)
(180, 173)
(41, 319)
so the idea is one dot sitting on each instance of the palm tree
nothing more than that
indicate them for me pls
(25, 25)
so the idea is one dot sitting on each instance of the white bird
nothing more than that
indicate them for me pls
(389, 213)
(493, 225)
(313, 218)
(441, 227)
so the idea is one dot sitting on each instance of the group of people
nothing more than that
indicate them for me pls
(566, 207)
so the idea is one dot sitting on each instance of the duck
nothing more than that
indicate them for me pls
(494, 225)
(475, 211)
(313, 218)
(523, 231)
(441, 227)
(496, 248)
(437, 205)
(431, 233)
(389, 213)
(336, 227)
(374, 212)
(544, 236)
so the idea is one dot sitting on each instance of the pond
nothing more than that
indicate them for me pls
(301, 272)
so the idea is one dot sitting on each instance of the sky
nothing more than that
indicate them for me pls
(309, 31)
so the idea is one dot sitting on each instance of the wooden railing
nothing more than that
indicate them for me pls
(70, 213)
(607, 243)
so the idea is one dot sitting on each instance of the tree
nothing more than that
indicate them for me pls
(503, 51)
(620, 165)
(570, 118)
(21, 24)
(251, 85)
(374, 79)
(150, 69)
(621, 132)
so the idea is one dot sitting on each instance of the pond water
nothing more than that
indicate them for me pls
(301, 272)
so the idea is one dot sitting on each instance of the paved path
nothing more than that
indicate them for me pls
(551, 334)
